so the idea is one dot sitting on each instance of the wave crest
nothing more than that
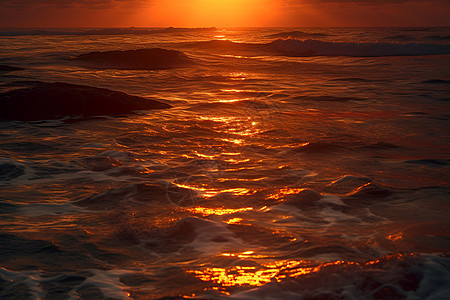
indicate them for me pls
(294, 47)
(310, 47)
(107, 31)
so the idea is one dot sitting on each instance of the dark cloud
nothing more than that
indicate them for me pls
(360, 2)
(365, 13)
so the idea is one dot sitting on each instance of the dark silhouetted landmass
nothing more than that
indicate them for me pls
(141, 59)
(437, 81)
(37, 100)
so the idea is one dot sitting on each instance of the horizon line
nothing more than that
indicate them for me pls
(212, 27)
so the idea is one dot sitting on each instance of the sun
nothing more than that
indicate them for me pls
(210, 13)
(229, 13)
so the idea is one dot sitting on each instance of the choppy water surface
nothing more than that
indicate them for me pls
(286, 169)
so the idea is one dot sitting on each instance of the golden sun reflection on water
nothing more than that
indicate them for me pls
(205, 155)
(234, 141)
(284, 192)
(234, 221)
(236, 276)
(207, 192)
(238, 76)
(233, 100)
(253, 275)
(238, 91)
(207, 211)
(264, 273)
(233, 126)
(241, 179)
(246, 254)
(235, 56)
(395, 236)
(215, 155)
(237, 161)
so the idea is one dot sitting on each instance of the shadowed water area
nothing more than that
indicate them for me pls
(279, 164)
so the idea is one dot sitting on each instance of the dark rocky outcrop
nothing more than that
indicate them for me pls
(10, 171)
(5, 68)
(37, 100)
(303, 199)
(141, 59)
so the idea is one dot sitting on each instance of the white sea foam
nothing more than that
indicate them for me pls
(108, 283)
(212, 236)
(334, 216)
(332, 199)
(29, 282)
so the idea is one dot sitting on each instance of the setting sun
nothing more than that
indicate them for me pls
(219, 13)
(230, 12)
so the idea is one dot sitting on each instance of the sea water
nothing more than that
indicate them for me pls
(300, 163)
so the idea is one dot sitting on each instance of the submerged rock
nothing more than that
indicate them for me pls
(141, 59)
(10, 171)
(305, 198)
(140, 192)
(42, 101)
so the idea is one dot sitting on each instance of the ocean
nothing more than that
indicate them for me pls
(294, 163)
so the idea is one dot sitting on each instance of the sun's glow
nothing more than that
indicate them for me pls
(207, 13)
(229, 12)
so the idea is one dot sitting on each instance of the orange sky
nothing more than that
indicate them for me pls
(222, 13)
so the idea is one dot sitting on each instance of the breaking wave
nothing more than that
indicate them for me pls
(293, 47)
(299, 34)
